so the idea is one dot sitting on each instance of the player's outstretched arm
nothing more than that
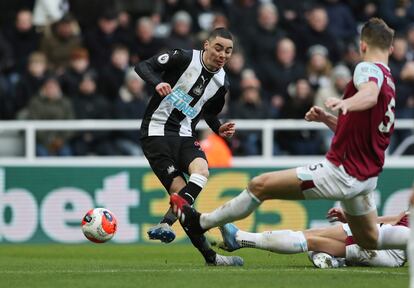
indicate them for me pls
(318, 114)
(364, 99)
(337, 214)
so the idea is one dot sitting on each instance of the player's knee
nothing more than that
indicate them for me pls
(203, 172)
(257, 185)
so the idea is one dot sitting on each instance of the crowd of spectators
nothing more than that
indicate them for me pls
(72, 59)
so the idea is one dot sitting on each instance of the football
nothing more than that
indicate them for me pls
(99, 225)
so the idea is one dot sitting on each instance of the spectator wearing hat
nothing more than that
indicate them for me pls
(79, 65)
(59, 44)
(249, 106)
(130, 104)
(318, 67)
(88, 104)
(180, 36)
(51, 104)
(340, 77)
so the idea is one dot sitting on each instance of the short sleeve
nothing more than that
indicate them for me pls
(365, 72)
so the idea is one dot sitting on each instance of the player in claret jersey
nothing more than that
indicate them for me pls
(351, 168)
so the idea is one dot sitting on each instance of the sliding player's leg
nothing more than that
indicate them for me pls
(330, 240)
(274, 185)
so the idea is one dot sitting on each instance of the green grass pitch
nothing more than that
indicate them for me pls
(174, 265)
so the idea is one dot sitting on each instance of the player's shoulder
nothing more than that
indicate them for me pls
(176, 55)
(366, 67)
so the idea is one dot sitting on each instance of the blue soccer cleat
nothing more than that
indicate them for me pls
(228, 232)
(162, 232)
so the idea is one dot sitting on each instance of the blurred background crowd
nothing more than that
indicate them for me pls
(72, 59)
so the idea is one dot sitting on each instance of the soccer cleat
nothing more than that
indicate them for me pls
(325, 261)
(228, 232)
(188, 216)
(222, 260)
(162, 232)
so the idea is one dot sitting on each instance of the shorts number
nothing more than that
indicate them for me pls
(385, 128)
(314, 167)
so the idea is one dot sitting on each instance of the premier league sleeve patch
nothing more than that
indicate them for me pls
(163, 58)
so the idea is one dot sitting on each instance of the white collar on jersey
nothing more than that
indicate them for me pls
(383, 64)
(205, 67)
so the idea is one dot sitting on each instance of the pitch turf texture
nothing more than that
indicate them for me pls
(174, 265)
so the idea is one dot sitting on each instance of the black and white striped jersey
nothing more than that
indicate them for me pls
(197, 92)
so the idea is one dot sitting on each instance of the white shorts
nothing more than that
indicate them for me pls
(357, 256)
(324, 180)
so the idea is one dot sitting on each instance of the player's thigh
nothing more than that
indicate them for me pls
(200, 166)
(161, 159)
(191, 157)
(282, 184)
(334, 232)
(327, 245)
(364, 229)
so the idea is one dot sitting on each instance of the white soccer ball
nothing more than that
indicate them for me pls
(99, 225)
(322, 260)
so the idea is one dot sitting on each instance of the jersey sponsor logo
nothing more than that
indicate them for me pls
(181, 101)
(163, 58)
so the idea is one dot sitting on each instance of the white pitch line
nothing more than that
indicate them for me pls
(206, 270)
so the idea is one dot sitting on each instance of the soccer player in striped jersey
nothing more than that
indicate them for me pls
(350, 170)
(188, 85)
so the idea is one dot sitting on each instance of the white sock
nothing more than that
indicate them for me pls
(198, 179)
(237, 208)
(393, 237)
(281, 241)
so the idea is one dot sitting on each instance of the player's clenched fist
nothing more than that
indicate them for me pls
(227, 130)
(163, 89)
(316, 114)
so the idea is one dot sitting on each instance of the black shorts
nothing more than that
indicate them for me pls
(170, 156)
